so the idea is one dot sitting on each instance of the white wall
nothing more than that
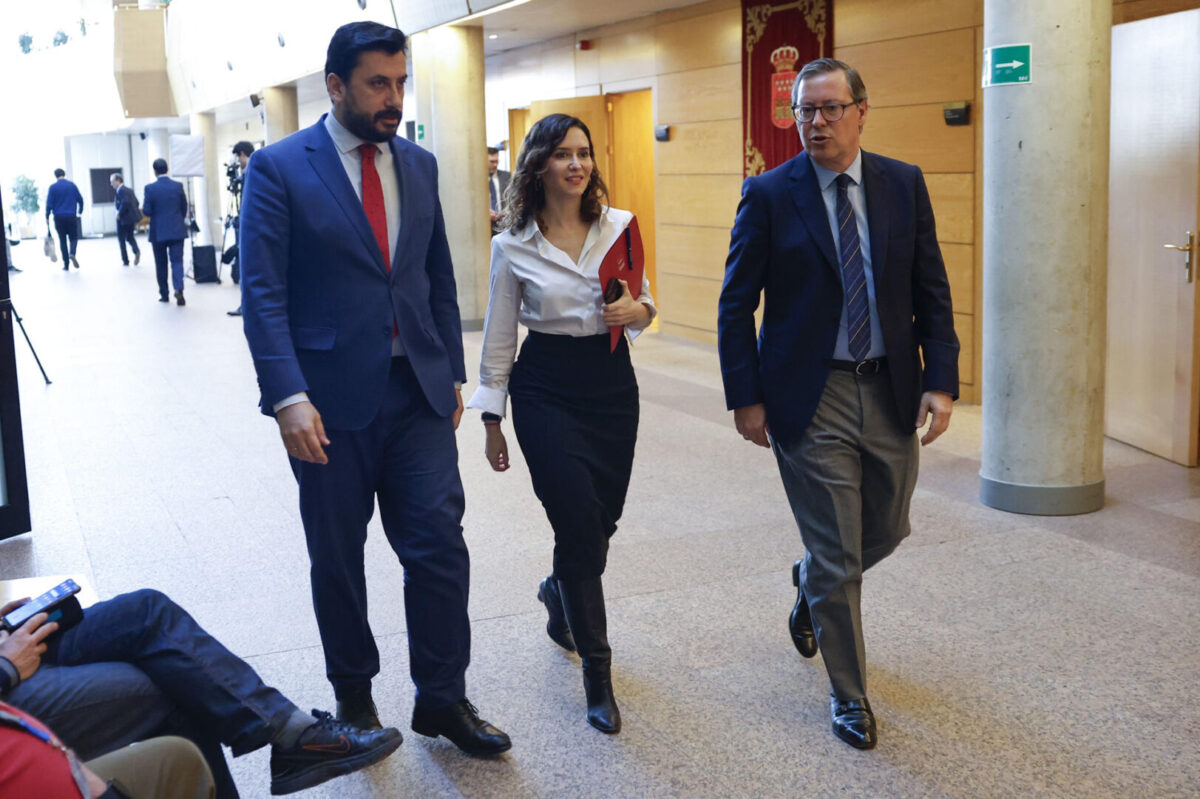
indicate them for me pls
(87, 152)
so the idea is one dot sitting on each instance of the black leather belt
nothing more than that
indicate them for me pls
(871, 366)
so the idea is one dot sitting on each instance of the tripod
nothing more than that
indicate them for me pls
(3, 311)
(231, 220)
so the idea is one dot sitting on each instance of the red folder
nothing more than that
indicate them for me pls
(624, 261)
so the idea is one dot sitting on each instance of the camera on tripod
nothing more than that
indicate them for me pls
(233, 171)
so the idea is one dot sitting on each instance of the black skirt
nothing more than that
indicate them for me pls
(575, 413)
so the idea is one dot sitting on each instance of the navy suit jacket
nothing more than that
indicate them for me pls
(318, 301)
(165, 202)
(126, 202)
(782, 247)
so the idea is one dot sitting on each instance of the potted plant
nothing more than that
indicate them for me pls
(25, 205)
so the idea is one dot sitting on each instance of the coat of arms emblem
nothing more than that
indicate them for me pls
(784, 60)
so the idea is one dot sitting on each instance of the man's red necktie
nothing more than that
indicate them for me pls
(372, 198)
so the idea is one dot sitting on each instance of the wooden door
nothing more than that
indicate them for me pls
(1152, 386)
(591, 110)
(518, 125)
(631, 179)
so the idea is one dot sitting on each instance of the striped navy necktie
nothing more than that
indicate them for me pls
(854, 275)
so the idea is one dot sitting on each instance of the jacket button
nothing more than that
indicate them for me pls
(387, 329)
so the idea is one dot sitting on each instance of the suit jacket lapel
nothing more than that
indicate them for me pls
(327, 163)
(877, 187)
(806, 193)
(402, 161)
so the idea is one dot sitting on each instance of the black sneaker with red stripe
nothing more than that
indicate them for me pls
(328, 749)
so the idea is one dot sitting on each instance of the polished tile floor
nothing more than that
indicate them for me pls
(1009, 655)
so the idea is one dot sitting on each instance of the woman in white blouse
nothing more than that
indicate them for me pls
(574, 402)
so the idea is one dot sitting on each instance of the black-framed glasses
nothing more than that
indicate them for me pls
(831, 111)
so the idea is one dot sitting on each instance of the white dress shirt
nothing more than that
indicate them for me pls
(347, 145)
(827, 179)
(535, 283)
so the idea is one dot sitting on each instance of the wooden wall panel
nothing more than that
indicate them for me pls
(960, 269)
(919, 135)
(1132, 10)
(700, 42)
(708, 337)
(860, 21)
(701, 148)
(953, 198)
(700, 95)
(964, 327)
(705, 200)
(936, 68)
(626, 56)
(693, 251)
(690, 301)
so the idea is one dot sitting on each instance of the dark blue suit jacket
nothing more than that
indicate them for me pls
(317, 299)
(165, 202)
(126, 202)
(781, 244)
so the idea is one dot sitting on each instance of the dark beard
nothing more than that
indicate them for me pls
(363, 126)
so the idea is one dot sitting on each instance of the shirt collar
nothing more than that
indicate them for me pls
(827, 176)
(345, 141)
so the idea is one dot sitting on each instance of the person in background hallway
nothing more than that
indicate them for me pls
(857, 350)
(497, 185)
(242, 152)
(361, 366)
(165, 202)
(137, 666)
(128, 215)
(574, 403)
(66, 203)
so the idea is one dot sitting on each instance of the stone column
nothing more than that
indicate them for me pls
(1045, 239)
(206, 191)
(157, 146)
(447, 63)
(282, 115)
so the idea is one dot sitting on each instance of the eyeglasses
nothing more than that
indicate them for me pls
(832, 111)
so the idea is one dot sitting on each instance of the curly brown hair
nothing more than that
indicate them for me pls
(525, 196)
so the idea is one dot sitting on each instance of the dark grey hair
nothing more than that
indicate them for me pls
(822, 66)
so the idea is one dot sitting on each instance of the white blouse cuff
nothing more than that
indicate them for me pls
(492, 400)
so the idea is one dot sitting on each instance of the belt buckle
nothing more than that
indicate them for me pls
(865, 368)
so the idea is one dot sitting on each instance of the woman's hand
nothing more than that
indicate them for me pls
(496, 448)
(626, 311)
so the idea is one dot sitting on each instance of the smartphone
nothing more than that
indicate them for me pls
(59, 602)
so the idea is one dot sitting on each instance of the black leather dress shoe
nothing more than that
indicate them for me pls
(326, 750)
(853, 722)
(800, 622)
(358, 710)
(460, 723)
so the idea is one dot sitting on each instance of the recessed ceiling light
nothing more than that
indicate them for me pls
(493, 36)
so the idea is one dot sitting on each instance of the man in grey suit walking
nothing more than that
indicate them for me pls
(857, 350)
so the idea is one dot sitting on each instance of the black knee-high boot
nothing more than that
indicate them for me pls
(583, 601)
(556, 627)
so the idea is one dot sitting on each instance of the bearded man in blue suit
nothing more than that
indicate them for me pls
(857, 350)
(351, 313)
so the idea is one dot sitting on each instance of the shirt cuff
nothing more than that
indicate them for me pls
(493, 400)
(10, 678)
(292, 400)
(457, 385)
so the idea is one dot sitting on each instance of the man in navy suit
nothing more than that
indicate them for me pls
(857, 350)
(128, 215)
(165, 202)
(66, 203)
(351, 313)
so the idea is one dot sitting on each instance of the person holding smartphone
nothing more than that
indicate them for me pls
(574, 401)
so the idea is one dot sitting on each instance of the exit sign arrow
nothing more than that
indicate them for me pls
(1011, 64)
(1007, 64)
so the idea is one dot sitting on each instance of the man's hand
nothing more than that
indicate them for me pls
(24, 647)
(940, 404)
(11, 606)
(626, 310)
(751, 422)
(302, 432)
(494, 215)
(459, 410)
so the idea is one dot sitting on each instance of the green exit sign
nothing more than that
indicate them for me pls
(1006, 63)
